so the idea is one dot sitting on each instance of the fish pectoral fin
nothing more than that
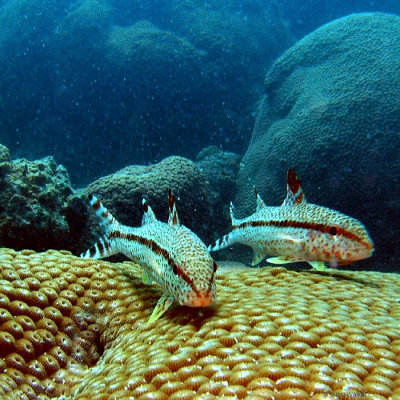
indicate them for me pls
(317, 265)
(258, 256)
(146, 278)
(281, 260)
(163, 304)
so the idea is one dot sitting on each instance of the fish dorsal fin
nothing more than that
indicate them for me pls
(173, 218)
(295, 194)
(148, 213)
(232, 212)
(260, 201)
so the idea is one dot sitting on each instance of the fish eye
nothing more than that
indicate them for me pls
(333, 230)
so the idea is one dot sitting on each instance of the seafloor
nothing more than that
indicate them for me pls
(77, 329)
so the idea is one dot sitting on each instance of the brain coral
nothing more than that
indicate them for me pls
(122, 193)
(78, 328)
(332, 112)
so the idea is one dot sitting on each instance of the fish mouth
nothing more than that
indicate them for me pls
(201, 300)
(364, 253)
(368, 250)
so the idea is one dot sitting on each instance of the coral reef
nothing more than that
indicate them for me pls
(123, 191)
(32, 198)
(79, 328)
(40, 210)
(147, 79)
(220, 169)
(331, 112)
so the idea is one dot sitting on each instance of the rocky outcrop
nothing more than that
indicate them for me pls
(123, 191)
(33, 205)
(220, 169)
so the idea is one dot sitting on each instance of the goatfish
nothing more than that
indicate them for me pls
(299, 231)
(170, 254)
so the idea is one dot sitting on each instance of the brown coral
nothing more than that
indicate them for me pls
(274, 334)
(122, 193)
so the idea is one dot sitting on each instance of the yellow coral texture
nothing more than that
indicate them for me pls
(77, 329)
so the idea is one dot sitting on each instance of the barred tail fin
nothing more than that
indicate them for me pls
(104, 247)
(221, 243)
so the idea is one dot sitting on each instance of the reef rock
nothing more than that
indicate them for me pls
(123, 191)
(32, 199)
(240, 39)
(221, 169)
(332, 112)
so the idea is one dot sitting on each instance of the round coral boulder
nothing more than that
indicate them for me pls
(123, 191)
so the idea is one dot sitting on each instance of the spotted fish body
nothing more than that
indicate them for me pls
(299, 231)
(171, 255)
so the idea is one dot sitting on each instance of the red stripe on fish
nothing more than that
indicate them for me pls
(151, 244)
(333, 230)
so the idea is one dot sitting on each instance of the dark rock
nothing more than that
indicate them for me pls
(221, 169)
(32, 199)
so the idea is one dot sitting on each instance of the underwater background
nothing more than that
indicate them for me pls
(126, 99)
(98, 95)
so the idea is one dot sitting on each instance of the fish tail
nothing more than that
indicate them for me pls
(222, 243)
(228, 239)
(105, 246)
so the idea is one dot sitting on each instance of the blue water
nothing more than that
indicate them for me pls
(103, 84)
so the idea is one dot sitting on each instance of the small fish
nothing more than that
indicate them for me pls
(171, 255)
(299, 231)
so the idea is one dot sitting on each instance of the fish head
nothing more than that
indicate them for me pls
(192, 276)
(339, 239)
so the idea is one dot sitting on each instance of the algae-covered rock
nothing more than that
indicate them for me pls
(32, 202)
(332, 112)
(220, 169)
(4, 154)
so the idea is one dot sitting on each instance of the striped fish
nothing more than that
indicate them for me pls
(299, 231)
(171, 255)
